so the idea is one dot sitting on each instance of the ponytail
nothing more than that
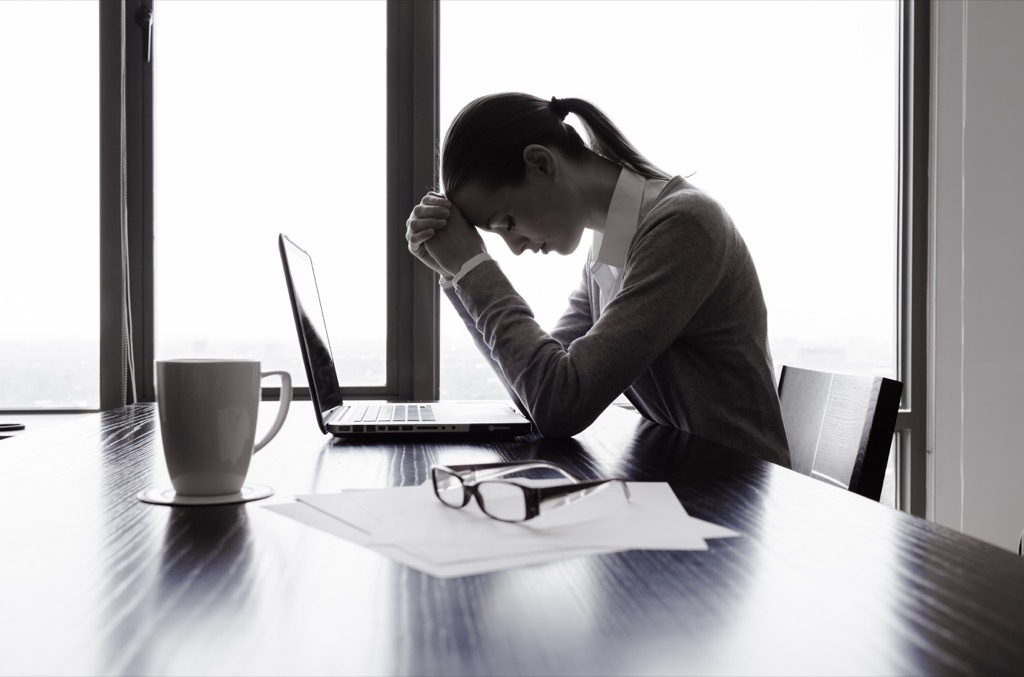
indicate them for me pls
(605, 137)
(486, 139)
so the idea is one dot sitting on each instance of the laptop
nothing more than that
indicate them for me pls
(361, 419)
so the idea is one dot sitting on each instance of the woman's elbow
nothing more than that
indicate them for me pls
(560, 425)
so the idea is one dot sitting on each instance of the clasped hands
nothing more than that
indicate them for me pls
(440, 237)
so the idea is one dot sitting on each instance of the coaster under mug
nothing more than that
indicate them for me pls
(167, 496)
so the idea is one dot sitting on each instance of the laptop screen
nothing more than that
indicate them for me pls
(311, 326)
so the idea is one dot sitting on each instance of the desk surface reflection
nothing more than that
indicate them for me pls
(96, 582)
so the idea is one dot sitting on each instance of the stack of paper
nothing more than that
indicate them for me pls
(410, 525)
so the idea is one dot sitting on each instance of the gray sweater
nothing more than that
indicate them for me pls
(686, 337)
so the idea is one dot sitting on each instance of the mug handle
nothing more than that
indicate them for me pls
(286, 400)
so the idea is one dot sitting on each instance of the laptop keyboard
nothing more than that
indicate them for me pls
(393, 413)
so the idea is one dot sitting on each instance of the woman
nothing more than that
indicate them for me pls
(669, 311)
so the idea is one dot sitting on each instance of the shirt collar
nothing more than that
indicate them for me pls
(611, 246)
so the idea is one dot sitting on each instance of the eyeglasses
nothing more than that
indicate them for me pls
(506, 500)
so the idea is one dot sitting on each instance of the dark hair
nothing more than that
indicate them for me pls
(486, 139)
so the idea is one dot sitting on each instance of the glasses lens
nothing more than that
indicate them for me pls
(502, 500)
(449, 488)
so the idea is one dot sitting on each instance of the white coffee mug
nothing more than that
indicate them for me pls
(208, 412)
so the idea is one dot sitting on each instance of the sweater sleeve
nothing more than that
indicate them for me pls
(578, 317)
(674, 262)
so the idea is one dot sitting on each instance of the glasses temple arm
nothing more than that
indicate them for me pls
(549, 497)
(483, 472)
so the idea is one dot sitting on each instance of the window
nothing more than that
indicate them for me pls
(785, 112)
(321, 119)
(49, 205)
(280, 128)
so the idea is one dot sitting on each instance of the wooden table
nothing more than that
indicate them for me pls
(821, 582)
(31, 422)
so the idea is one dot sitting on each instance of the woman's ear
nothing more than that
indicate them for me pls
(541, 160)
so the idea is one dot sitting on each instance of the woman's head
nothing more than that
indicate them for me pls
(486, 140)
(514, 167)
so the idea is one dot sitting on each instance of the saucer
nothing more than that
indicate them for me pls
(167, 496)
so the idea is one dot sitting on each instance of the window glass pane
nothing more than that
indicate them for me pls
(49, 204)
(785, 112)
(270, 117)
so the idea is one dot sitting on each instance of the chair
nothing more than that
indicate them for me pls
(840, 427)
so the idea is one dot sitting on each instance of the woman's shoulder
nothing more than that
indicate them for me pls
(682, 203)
(679, 196)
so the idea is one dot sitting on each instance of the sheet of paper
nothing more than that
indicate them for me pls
(314, 518)
(652, 519)
(709, 530)
(409, 525)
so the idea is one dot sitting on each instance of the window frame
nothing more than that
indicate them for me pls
(912, 252)
(412, 342)
(138, 87)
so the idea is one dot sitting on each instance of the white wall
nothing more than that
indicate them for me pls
(976, 305)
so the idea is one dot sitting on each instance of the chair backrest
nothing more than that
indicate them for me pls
(840, 427)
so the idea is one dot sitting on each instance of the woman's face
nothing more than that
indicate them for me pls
(537, 215)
